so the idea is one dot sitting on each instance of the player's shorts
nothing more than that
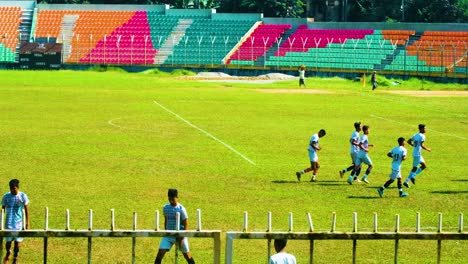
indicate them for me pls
(17, 227)
(168, 242)
(418, 160)
(313, 157)
(396, 174)
(314, 165)
(354, 157)
(363, 158)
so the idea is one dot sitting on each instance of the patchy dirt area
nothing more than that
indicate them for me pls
(226, 78)
(430, 93)
(292, 91)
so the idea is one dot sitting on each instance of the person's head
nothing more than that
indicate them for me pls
(14, 186)
(366, 129)
(280, 244)
(422, 128)
(374, 72)
(173, 196)
(357, 126)
(302, 67)
(322, 133)
(401, 141)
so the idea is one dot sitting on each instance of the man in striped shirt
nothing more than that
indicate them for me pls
(170, 211)
(13, 202)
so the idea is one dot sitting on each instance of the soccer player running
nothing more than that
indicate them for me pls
(363, 155)
(354, 141)
(313, 148)
(417, 141)
(398, 155)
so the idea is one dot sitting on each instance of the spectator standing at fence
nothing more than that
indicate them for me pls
(170, 211)
(398, 155)
(363, 155)
(354, 150)
(313, 148)
(417, 141)
(302, 76)
(13, 202)
(281, 257)
(374, 80)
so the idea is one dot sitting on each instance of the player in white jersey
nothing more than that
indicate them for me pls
(417, 141)
(354, 142)
(313, 148)
(363, 155)
(281, 257)
(398, 155)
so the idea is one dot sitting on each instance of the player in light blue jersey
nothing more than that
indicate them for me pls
(313, 148)
(398, 155)
(363, 155)
(170, 211)
(417, 141)
(13, 202)
(354, 142)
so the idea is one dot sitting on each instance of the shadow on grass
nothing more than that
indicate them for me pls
(282, 181)
(364, 197)
(461, 180)
(449, 192)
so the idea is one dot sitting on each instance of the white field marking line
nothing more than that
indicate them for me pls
(391, 120)
(206, 133)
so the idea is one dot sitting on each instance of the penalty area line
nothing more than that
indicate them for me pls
(395, 121)
(205, 132)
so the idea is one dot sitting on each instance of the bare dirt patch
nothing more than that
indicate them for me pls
(292, 91)
(431, 93)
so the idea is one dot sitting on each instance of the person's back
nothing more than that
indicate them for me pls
(282, 257)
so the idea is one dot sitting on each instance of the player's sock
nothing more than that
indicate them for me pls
(409, 177)
(358, 171)
(368, 171)
(400, 186)
(364, 177)
(419, 170)
(388, 183)
(349, 168)
(306, 170)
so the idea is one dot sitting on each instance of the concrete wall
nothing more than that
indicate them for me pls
(22, 4)
(228, 16)
(189, 12)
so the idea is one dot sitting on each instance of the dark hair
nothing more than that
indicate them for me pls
(172, 193)
(14, 183)
(421, 126)
(357, 124)
(280, 244)
(365, 128)
(323, 132)
(401, 140)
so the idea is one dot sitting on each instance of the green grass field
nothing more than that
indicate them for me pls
(89, 140)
